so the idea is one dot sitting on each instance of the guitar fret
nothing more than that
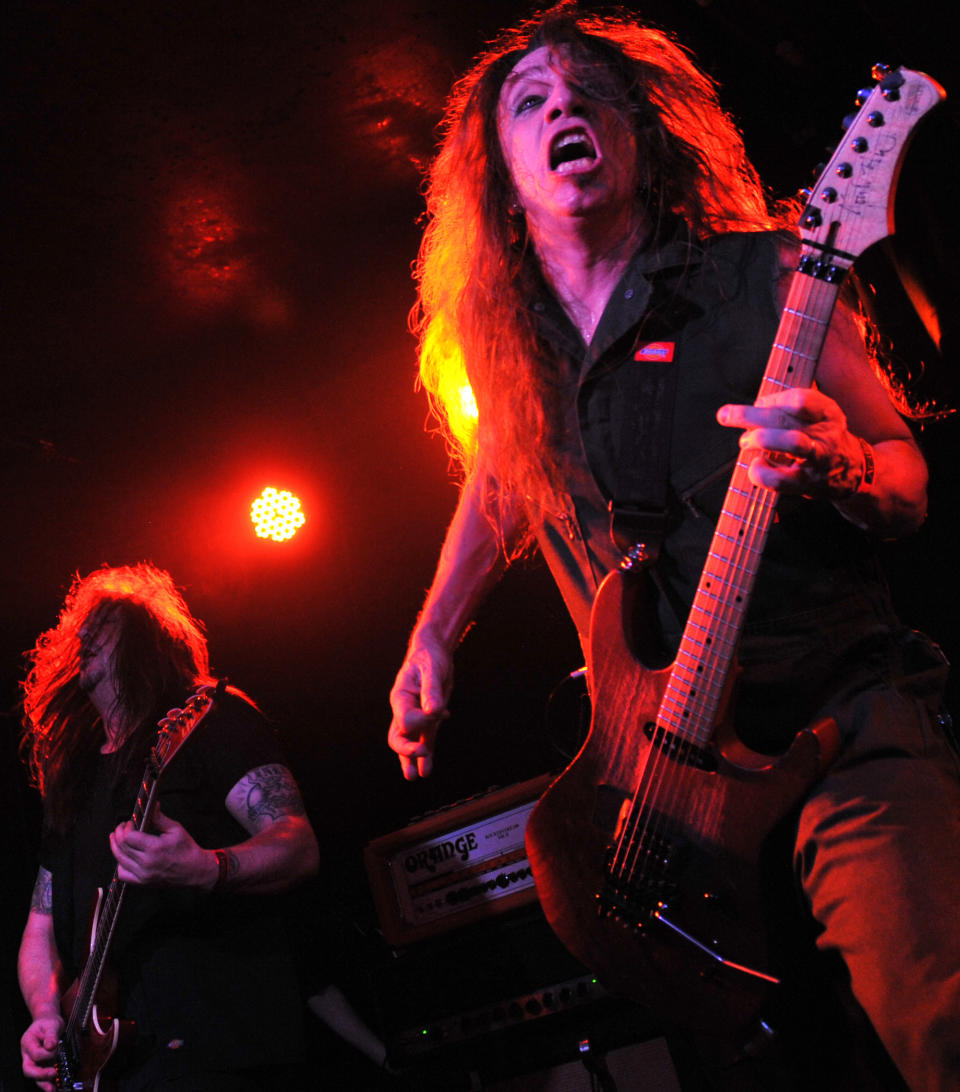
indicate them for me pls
(719, 602)
(728, 563)
(694, 696)
(725, 592)
(692, 674)
(794, 352)
(807, 316)
(736, 541)
(771, 382)
(695, 700)
(697, 661)
(695, 733)
(707, 629)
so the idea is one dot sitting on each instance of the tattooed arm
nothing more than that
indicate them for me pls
(41, 981)
(281, 850)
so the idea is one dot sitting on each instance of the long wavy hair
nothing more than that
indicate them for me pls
(491, 381)
(160, 655)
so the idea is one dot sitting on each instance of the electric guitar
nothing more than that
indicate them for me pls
(93, 1035)
(647, 849)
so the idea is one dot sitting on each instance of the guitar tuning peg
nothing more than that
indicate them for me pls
(811, 218)
(848, 121)
(887, 76)
(891, 80)
(863, 94)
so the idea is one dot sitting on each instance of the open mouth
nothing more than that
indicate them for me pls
(572, 150)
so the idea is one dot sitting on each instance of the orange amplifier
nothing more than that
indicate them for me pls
(455, 866)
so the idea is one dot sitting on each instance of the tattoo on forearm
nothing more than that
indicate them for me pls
(271, 793)
(41, 901)
(844, 479)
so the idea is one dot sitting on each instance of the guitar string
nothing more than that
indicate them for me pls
(648, 816)
(189, 717)
(808, 298)
(647, 823)
(661, 794)
(803, 324)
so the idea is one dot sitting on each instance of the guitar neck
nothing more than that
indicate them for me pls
(107, 914)
(705, 657)
(172, 732)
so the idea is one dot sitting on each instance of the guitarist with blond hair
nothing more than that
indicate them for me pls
(600, 266)
(195, 960)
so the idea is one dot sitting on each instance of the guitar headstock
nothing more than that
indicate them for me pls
(851, 205)
(177, 725)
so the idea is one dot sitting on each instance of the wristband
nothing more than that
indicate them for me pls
(223, 867)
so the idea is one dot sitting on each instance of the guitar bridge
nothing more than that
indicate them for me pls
(65, 1064)
(637, 885)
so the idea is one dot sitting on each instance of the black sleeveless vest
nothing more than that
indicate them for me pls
(710, 312)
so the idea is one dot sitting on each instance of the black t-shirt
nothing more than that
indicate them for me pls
(211, 970)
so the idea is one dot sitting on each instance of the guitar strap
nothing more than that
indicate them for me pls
(638, 514)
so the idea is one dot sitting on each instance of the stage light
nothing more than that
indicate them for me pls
(276, 514)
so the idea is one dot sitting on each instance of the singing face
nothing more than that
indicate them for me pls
(569, 154)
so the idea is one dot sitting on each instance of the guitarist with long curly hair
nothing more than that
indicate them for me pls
(195, 960)
(601, 282)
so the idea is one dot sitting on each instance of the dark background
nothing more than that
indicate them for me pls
(210, 215)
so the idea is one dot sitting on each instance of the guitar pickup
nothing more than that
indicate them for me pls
(679, 749)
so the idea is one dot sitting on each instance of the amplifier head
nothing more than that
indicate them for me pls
(457, 866)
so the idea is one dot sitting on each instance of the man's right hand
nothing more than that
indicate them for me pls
(38, 1049)
(419, 702)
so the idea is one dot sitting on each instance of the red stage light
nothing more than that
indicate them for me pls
(276, 514)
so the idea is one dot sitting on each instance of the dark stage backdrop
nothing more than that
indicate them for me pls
(210, 214)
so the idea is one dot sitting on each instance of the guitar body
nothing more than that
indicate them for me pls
(711, 826)
(83, 1058)
(92, 1037)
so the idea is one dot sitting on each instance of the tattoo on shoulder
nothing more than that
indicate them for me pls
(41, 901)
(271, 793)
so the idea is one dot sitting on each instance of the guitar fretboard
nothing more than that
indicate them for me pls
(705, 657)
(172, 731)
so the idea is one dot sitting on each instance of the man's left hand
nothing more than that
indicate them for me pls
(797, 441)
(167, 858)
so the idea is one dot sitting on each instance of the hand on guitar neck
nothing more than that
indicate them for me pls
(840, 441)
(167, 856)
(798, 442)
